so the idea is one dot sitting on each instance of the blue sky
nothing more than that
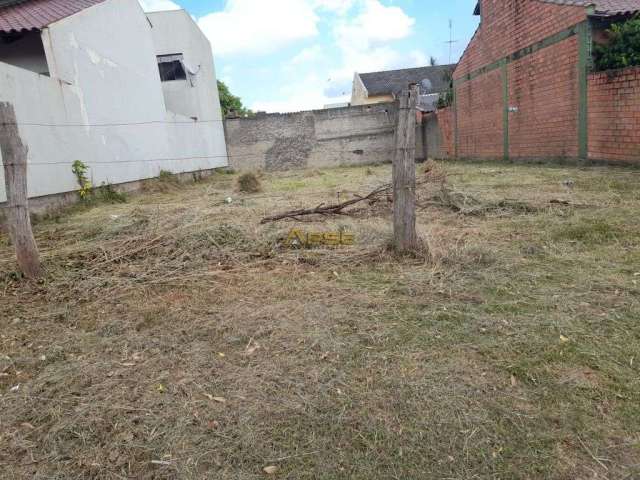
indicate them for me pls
(288, 55)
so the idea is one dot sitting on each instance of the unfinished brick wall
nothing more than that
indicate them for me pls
(614, 115)
(509, 25)
(479, 117)
(542, 86)
(544, 89)
(445, 123)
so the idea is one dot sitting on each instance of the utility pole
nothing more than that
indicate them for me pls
(405, 238)
(14, 158)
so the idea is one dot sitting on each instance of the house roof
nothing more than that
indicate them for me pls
(393, 81)
(602, 8)
(25, 15)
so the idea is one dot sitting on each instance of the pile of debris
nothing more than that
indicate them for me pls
(432, 190)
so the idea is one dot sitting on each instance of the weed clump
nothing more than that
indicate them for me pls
(108, 194)
(164, 182)
(166, 176)
(249, 183)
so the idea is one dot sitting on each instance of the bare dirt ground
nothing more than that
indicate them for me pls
(173, 337)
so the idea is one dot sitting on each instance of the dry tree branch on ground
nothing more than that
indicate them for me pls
(337, 209)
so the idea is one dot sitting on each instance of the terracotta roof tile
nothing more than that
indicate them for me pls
(21, 15)
(604, 7)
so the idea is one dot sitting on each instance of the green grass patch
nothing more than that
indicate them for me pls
(587, 231)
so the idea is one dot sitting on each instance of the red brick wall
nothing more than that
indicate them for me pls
(509, 25)
(479, 105)
(614, 115)
(445, 124)
(543, 86)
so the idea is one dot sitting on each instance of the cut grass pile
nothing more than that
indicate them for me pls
(249, 183)
(173, 336)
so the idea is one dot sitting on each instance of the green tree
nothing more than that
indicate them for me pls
(623, 48)
(446, 98)
(231, 103)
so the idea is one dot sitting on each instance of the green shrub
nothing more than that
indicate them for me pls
(623, 49)
(446, 99)
(80, 170)
(108, 194)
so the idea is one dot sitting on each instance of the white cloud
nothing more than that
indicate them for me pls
(374, 24)
(340, 7)
(158, 5)
(419, 58)
(259, 26)
(366, 43)
(362, 36)
(307, 55)
(307, 94)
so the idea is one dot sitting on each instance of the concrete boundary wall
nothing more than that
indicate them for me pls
(356, 135)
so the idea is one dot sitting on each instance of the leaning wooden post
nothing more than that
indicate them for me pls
(405, 238)
(14, 158)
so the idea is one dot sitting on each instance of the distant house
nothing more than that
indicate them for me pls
(380, 87)
(99, 81)
(336, 105)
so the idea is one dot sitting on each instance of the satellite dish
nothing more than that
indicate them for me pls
(426, 86)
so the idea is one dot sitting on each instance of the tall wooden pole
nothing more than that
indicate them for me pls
(405, 238)
(14, 159)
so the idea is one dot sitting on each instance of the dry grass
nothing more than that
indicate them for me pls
(174, 338)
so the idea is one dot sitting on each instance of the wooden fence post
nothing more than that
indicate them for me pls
(14, 158)
(405, 238)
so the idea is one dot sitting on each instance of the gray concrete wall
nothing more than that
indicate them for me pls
(431, 135)
(355, 135)
(319, 138)
(104, 106)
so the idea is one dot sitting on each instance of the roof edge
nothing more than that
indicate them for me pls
(364, 87)
(23, 30)
(592, 8)
(409, 68)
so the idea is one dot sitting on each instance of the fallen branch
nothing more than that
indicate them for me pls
(444, 197)
(337, 209)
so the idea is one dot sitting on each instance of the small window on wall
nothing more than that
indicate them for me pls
(171, 67)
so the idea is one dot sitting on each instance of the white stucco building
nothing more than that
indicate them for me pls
(100, 81)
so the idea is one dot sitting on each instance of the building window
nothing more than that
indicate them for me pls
(171, 67)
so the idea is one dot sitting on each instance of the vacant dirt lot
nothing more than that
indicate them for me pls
(174, 337)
